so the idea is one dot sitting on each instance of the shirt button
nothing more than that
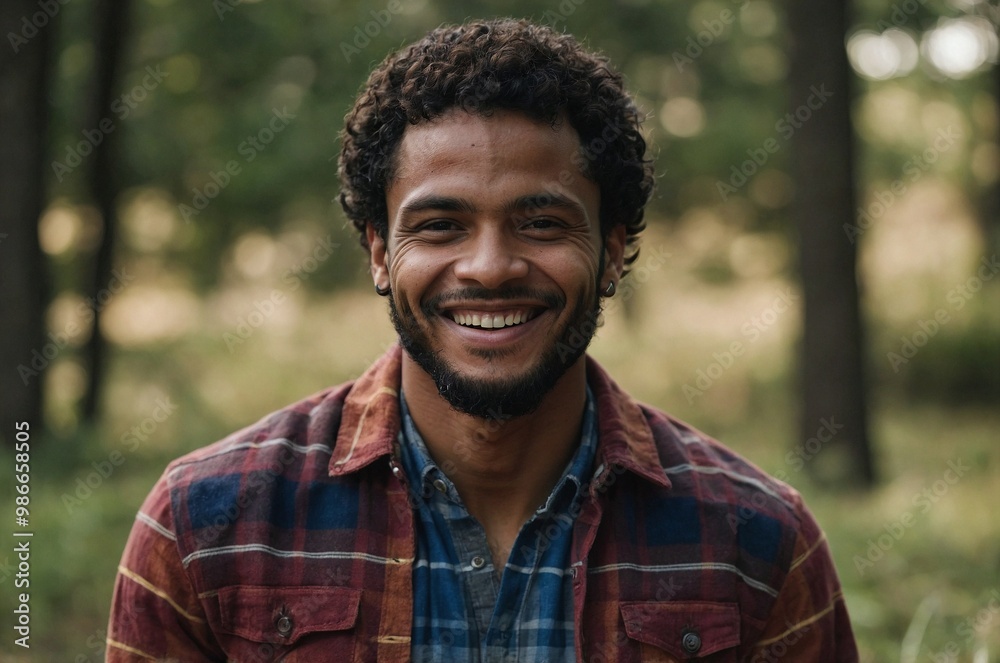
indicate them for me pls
(478, 562)
(691, 642)
(441, 486)
(397, 471)
(284, 626)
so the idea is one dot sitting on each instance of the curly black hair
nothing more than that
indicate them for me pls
(484, 66)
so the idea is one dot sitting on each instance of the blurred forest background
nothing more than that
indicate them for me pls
(817, 286)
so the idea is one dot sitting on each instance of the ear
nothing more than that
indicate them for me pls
(377, 257)
(614, 255)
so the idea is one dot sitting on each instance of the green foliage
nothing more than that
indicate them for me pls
(958, 368)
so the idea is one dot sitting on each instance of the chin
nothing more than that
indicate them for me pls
(490, 392)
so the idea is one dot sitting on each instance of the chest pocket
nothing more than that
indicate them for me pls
(684, 630)
(288, 623)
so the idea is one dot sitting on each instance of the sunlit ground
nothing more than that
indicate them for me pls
(929, 563)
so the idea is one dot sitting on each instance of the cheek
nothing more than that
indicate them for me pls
(412, 268)
(572, 270)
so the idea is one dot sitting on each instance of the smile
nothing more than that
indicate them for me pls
(491, 319)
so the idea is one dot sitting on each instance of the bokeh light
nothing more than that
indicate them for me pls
(959, 47)
(882, 56)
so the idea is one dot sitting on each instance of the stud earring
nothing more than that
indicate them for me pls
(610, 290)
(380, 292)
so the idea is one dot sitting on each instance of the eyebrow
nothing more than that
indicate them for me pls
(442, 203)
(544, 201)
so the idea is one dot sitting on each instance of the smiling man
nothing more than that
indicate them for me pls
(485, 492)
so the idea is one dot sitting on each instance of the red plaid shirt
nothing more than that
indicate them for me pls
(293, 540)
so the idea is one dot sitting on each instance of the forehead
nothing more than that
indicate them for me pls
(492, 145)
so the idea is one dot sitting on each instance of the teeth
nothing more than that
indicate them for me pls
(489, 321)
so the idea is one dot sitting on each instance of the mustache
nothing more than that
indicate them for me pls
(472, 293)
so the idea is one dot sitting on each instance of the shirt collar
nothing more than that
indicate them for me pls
(427, 477)
(370, 422)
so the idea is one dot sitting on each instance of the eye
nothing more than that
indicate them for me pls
(542, 223)
(439, 225)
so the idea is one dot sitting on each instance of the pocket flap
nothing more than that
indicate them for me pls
(282, 615)
(709, 627)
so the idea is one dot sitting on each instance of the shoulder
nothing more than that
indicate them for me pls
(253, 474)
(721, 514)
(305, 428)
(688, 455)
(683, 468)
(758, 507)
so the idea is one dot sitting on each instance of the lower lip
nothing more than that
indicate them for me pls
(493, 337)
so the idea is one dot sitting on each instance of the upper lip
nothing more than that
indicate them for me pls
(491, 306)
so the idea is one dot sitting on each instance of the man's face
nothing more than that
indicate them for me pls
(494, 257)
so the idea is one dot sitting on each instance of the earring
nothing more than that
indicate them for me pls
(380, 292)
(610, 290)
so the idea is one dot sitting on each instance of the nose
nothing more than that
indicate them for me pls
(491, 258)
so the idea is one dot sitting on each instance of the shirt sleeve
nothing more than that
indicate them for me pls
(155, 612)
(809, 620)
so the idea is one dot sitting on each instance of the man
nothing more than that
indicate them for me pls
(485, 492)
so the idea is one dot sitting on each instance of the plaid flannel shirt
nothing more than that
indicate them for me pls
(294, 540)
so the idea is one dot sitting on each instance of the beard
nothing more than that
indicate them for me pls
(503, 397)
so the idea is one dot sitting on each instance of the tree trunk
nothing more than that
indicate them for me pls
(110, 23)
(832, 371)
(24, 292)
(989, 217)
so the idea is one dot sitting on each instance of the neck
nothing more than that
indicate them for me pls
(503, 469)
